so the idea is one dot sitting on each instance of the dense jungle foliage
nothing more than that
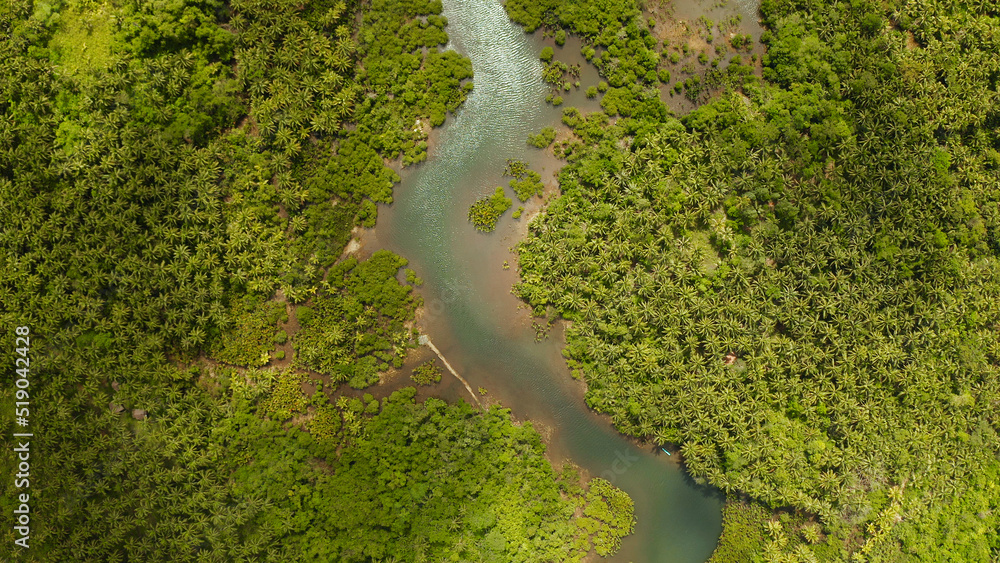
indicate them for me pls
(797, 282)
(414, 482)
(356, 327)
(174, 177)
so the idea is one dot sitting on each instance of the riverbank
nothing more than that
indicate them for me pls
(469, 312)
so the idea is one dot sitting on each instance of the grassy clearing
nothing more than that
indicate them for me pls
(83, 38)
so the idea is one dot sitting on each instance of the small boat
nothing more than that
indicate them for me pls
(665, 451)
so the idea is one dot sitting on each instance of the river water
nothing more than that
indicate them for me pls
(485, 333)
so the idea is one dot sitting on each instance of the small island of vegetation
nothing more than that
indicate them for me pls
(486, 211)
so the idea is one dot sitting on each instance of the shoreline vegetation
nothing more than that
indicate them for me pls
(797, 281)
(179, 183)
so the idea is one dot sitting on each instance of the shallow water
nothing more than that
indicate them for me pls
(469, 313)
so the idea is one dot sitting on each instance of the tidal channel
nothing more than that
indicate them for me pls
(485, 332)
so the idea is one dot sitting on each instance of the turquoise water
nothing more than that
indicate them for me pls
(469, 312)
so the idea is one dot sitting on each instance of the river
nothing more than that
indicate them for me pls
(469, 313)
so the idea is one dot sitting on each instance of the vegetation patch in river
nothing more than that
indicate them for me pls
(486, 211)
(526, 182)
